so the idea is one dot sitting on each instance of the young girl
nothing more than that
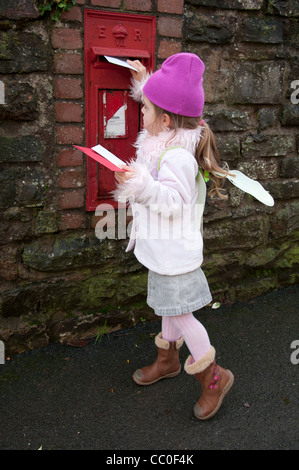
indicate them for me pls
(166, 189)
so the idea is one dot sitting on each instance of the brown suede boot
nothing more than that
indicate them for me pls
(166, 365)
(215, 383)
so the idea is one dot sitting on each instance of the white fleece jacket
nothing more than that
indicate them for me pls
(167, 204)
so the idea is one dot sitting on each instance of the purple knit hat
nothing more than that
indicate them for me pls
(178, 86)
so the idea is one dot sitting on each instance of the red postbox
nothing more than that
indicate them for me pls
(112, 116)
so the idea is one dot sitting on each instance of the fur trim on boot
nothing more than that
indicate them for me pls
(198, 366)
(164, 344)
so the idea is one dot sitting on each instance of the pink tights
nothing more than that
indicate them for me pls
(193, 332)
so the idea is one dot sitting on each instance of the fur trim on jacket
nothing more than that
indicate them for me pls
(149, 150)
(137, 87)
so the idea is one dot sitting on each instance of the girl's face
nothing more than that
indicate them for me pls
(150, 121)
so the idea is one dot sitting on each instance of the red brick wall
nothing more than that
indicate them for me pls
(67, 42)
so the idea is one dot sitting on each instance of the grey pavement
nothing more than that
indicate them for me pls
(66, 398)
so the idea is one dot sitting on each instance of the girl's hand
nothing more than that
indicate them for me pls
(121, 177)
(141, 70)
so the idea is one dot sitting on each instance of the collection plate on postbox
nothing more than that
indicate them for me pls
(112, 116)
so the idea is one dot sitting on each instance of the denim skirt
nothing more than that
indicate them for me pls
(179, 294)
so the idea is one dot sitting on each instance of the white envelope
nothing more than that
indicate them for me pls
(108, 155)
(250, 186)
(122, 63)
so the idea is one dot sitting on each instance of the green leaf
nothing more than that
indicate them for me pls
(206, 176)
(216, 305)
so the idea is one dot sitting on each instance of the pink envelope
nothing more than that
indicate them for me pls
(91, 153)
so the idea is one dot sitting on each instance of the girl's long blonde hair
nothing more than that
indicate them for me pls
(207, 154)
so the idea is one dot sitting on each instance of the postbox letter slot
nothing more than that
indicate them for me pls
(110, 51)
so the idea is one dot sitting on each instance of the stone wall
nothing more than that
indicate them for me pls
(58, 281)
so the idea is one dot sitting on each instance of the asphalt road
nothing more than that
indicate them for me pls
(66, 398)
